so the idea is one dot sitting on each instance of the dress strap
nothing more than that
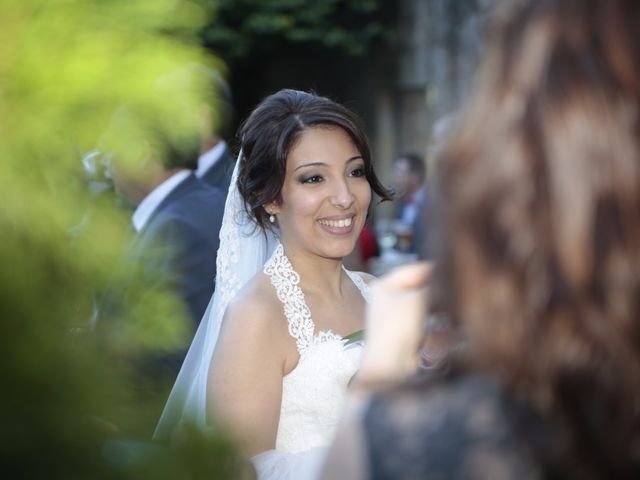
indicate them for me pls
(287, 284)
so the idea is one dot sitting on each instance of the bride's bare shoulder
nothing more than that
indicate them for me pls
(256, 307)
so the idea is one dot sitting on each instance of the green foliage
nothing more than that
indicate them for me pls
(240, 28)
(69, 397)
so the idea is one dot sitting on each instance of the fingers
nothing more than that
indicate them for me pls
(401, 293)
(395, 318)
(407, 277)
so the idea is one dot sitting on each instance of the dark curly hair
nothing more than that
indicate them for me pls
(269, 134)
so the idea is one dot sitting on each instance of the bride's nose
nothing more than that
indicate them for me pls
(341, 196)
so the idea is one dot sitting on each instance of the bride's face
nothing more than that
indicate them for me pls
(325, 194)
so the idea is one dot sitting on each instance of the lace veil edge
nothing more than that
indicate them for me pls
(244, 248)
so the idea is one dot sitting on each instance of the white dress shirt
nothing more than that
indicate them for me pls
(412, 207)
(151, 202)
(210, 158)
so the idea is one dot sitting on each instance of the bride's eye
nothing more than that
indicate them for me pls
(310, 179)
(357, 172)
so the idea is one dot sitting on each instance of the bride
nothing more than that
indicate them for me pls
(278, 374)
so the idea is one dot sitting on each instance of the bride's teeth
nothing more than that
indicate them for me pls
(337, 223)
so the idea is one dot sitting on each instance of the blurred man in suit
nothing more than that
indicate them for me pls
(410, 176)
(216, 162)
(177, 216)
(176, 220)
(175, 225)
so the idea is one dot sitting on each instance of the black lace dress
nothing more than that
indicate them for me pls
(456, 427)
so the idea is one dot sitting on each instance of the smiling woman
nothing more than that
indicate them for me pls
(273, 131)
(325, 195)
(278, 374)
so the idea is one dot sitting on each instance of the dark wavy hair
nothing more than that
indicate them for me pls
(269, 134)
(540, 198)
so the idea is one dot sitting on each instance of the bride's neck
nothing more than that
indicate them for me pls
(318, 275)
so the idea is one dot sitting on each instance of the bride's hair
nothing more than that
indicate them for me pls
(271, 131)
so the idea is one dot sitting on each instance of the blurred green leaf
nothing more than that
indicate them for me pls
(66, 68)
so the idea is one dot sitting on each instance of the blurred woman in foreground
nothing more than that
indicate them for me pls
(539, 268)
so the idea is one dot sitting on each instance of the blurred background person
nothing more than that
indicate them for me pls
(176, 218)
(216, 162)
(174, 241)
(411, 190)
(539, 267)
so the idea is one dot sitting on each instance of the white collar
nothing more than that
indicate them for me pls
(150, 203)
(209, 158)
(419, 195)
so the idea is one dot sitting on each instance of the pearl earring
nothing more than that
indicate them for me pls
(272, 218)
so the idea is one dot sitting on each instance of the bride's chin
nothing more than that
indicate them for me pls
(340, 251)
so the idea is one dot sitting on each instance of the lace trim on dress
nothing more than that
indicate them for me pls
(287, 284)
(286, 281)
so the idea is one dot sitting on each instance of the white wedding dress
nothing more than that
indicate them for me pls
(314, 392)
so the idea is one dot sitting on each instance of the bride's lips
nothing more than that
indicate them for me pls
(337, 225)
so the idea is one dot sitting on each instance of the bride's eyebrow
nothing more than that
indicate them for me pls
(322, 164)
(312, 164)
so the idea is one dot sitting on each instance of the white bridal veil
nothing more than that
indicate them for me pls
(243, 250)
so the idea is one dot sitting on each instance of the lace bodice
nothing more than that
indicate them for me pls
(314, 392)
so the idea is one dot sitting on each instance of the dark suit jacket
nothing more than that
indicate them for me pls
(175, 251)
(180, 241)
(219, 175)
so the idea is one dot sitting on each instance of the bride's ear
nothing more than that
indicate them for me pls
(272, 208)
